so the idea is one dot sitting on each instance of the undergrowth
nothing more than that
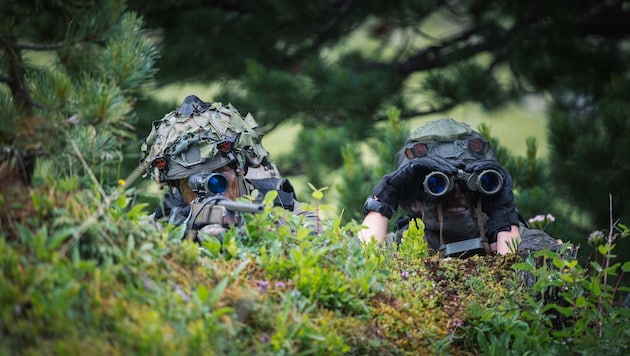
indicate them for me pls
(87, 270)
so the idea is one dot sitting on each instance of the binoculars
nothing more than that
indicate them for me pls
(488, 182)
(204, 183)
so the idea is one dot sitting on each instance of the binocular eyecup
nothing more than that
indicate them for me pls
(487, 182)
(204, 183)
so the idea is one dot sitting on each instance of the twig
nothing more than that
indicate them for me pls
(101, 208)
(88, 170)
(611, 239)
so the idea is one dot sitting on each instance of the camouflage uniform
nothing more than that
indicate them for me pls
(199, 138)
(461, 217)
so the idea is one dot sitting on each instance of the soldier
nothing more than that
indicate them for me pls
(207, 155)
(447, 175)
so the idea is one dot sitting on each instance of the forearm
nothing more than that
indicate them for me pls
(507, 239)
(375, 227)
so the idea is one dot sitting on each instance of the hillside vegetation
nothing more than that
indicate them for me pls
(85, 269)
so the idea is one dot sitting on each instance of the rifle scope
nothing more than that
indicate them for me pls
(215, 183)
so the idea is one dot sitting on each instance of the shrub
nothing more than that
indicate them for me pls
(80, 269)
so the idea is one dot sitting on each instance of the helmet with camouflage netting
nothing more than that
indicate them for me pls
(445, 138)
(200, 137)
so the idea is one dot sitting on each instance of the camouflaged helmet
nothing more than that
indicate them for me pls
(201, 137)
(445, 138)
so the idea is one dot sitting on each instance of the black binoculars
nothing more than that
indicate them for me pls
(204, 183)
(488, 182)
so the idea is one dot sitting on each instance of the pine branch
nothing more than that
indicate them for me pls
(52, 46)
(326, 32)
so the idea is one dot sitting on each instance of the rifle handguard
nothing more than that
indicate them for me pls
(222, 211)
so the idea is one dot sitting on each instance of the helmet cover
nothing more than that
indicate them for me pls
(448, 139)
(201, 137)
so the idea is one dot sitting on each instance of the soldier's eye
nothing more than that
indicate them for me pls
(417, 150)
(160, 162)
(477, 145)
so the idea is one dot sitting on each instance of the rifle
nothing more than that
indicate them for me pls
(212, 207)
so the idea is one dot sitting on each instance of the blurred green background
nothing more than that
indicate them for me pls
(335, 85)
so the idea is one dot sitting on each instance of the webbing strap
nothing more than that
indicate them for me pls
(482, 230)
(441, 220)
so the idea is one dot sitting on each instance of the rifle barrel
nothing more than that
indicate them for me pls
(242, 207)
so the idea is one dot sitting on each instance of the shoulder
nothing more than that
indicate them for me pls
(267, 178)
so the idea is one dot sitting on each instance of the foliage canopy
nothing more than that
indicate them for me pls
(339, 65)
(81, 266)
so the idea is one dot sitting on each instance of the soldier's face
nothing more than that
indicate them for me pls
(230, 174)
(232, 191)
(454, 204)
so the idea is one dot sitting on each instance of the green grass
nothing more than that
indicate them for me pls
(81, 271)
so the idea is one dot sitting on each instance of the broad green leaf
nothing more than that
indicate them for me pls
(523, 266)
(60, 236)
(571, 264)
(596, 266)
(581, 302)
(270, 197)
(546, 253)
(202, 293)
(566, 311)
(121, 202)
(177, 233)
(237, 271)
(217, 292)
(137, 211)
(210, 243)
(595, 287)
(131, 244)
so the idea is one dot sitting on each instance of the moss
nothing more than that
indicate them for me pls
(109, 281)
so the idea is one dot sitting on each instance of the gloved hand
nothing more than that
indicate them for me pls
(500, 207)
(408, 179)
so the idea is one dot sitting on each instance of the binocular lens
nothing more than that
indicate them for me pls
(490, 182)
(437, 184)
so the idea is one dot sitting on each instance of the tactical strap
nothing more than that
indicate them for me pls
(466, 245)
(441, 220)
(461, 248)
(482, 230)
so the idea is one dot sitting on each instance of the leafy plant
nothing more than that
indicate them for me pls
(86, 267)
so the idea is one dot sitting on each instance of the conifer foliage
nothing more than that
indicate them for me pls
(83, 268)
(70, 72)
(341, 64)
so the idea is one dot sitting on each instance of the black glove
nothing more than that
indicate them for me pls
(408, 179)
(500, 207)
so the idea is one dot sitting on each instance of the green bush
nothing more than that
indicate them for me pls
(85, 271)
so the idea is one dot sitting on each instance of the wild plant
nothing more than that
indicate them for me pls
(570, 308)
